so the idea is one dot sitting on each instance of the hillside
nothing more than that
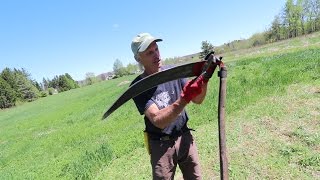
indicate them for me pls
(289, 45)
(273, 105)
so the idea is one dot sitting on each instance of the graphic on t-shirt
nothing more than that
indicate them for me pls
(162, 99)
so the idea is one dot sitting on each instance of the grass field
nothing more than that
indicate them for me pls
(272, 127)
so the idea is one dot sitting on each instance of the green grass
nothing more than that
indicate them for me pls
(273, 105)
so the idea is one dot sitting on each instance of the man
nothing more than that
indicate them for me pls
(170, 140)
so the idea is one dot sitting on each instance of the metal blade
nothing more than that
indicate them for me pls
(183, 71)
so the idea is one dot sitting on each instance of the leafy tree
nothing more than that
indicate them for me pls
(36, 84)
(132, 68)
(9, 77)
(298, 17)
(25, 89)
(258, 39)
(24, 72)
(7, 94)
(61, 83)
(289, 18)
(73, 82)
(118, 68)
(43, 94)
(90, 78)
(300, 11)
(19, 80)
(309, 16)
(45, 84)
(206, 48)
(316, 11)
(274, 33)
(65, 83)
(51, 91)
(54, 83)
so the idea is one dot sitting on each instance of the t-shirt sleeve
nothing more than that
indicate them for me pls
(144, 101)
(184, 82)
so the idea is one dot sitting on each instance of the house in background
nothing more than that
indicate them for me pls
(106, 76)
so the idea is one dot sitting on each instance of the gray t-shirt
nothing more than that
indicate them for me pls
(163, 95)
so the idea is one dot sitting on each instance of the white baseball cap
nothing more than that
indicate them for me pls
(141, 42)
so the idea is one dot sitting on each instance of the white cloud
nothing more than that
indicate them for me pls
(115, 26)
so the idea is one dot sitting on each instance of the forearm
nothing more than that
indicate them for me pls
(162, 118)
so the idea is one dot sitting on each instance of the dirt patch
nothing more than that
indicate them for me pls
(44, 133)
(123, 83)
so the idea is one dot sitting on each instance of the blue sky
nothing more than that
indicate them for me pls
(53, 37)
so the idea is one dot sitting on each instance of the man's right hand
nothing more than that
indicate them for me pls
(193, 88)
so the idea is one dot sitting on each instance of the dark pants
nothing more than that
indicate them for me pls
(166, 154)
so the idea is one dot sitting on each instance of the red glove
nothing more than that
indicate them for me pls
(193, 88)
(209, 72)
(197, 70)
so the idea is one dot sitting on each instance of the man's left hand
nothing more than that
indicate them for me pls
(193, 88)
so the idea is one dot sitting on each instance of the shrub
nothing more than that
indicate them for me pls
(51, 91)
(43, 94)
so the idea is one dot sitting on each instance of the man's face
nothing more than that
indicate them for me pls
(150, 58)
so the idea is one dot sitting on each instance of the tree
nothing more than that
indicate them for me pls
(54, 83)
(206, 48)
(274, 34)
(7, 94)
(316, 11)
(258, 39)
(90, 78)
(9, 77)
(45, 84)
(36, 84)
(298, 17)
(118, 68)
(132, 68)
(72, 81)
(65, 83)
(309, 15)
(301, 16)
(25, 89)
(51, 91)
(19, 80)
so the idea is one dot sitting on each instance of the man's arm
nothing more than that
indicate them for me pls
(162, 118)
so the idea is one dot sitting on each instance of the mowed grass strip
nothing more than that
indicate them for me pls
(63, 137)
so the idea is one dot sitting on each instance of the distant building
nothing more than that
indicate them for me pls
(106, 76)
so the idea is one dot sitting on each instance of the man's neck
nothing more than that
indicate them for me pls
(147, 73)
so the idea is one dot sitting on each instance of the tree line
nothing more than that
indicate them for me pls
(297, 18)
(119, 70)
(17, 86)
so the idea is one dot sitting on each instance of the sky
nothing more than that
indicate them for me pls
(54, 37)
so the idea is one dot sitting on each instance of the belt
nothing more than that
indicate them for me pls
(168, 137)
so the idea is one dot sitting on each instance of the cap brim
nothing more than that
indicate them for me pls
(147, 43)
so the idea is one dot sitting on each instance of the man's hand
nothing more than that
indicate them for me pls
(208, 74)
(193, 88)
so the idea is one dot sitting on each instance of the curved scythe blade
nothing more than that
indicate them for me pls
(183, 71)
